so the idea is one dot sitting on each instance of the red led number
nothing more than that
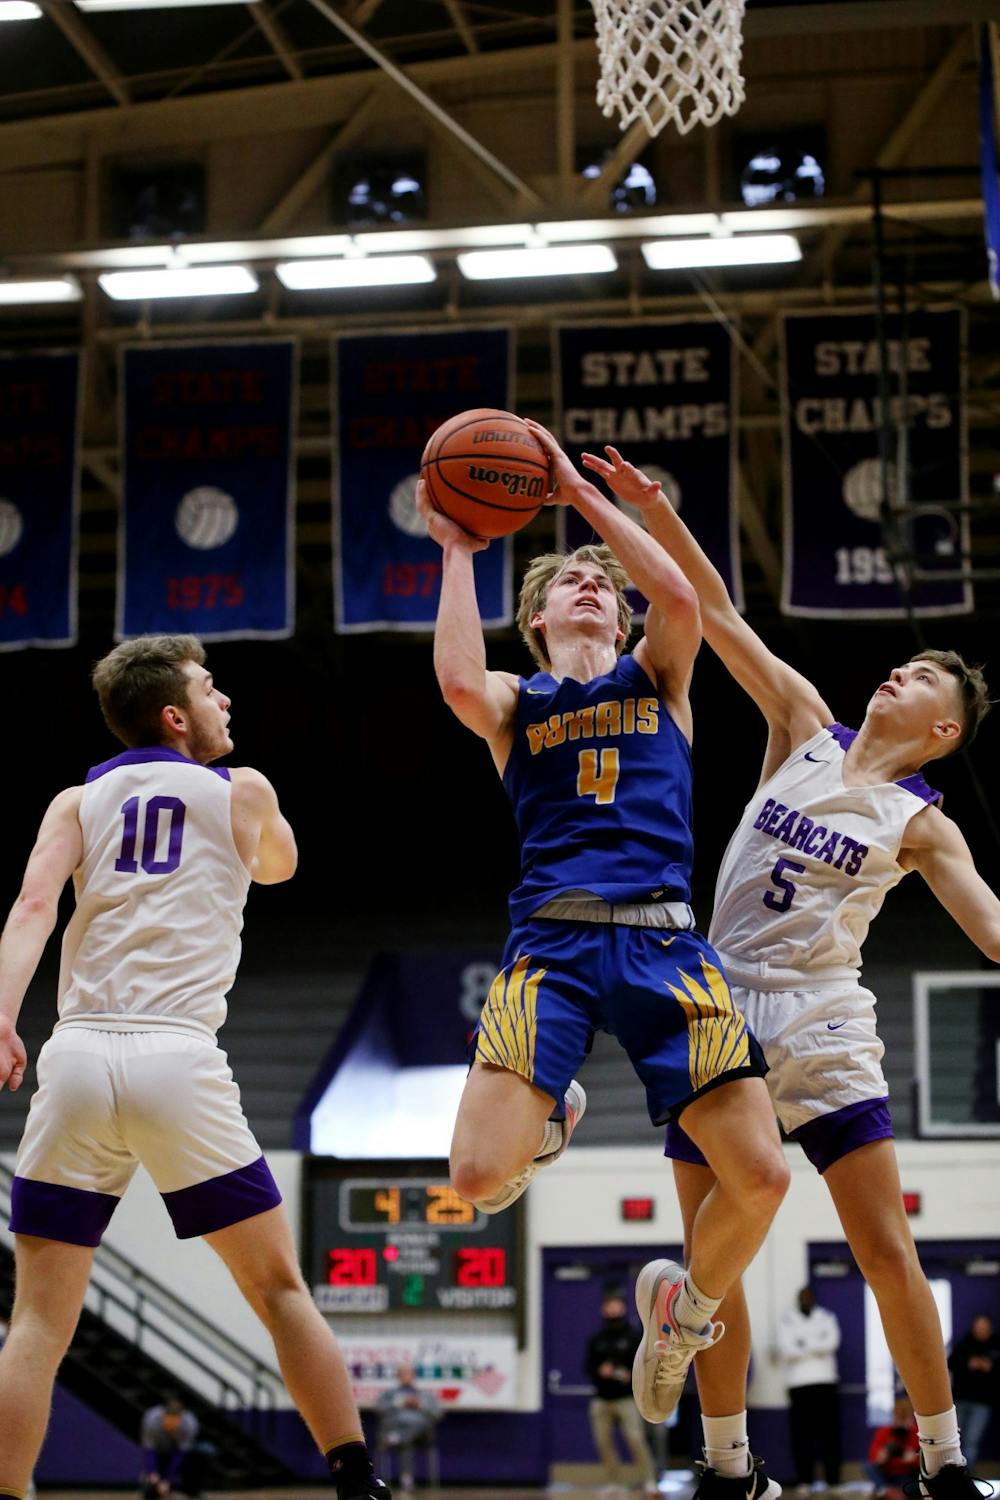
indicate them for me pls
(213, 591)
(481, 1267)
(351, 1268)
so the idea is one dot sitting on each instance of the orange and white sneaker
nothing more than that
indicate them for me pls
(663, 1358)
(574, 1102)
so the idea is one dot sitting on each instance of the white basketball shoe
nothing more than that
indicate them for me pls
(665, 1354)
(575, 1102)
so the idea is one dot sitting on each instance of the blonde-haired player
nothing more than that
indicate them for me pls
(162, 847)
(838, 818)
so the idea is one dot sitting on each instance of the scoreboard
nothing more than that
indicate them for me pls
(395, 1236)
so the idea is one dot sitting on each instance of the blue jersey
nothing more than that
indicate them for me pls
(599, 777)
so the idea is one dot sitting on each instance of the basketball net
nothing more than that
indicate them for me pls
(666, 60)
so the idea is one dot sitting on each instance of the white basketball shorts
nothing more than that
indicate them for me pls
(825, 1076)
(110, 1099)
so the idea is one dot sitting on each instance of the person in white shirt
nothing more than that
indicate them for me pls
(838, 818)
(808, 1340)
(162, 846)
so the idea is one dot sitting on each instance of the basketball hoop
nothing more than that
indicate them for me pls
(666, 60)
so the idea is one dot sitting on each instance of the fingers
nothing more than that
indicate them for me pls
(599, 465)
(543, 435)
(424, 506)
(16, 1077)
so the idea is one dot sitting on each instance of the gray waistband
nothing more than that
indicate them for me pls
(762, 975)
(674, 916)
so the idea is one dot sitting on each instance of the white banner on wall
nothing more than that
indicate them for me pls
(473, 1372)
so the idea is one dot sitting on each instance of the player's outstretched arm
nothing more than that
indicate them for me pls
(786, 698)
(57, 852)
(935, 845)
(263, 834)
(673, 627)
(484, 701)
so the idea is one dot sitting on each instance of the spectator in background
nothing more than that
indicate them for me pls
(975, 1379)
(894, 1455)
(609, 1366)
(406, 1417)
(173, 1459)
(808, 1340)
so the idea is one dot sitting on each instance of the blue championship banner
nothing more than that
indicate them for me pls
(207, 520)
(39, 486)
(835, 559)
(391, 392)
(664, 394)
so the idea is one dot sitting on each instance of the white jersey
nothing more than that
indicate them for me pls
(160, 891)
(809, 867)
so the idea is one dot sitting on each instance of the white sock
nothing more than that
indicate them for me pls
(727, 1447)
(940, 1442)
(693, 1308)
(552, 1138)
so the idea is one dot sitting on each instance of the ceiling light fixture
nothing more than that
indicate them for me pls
(22, 290)
(725, 250)
(567, 260)
(190, 281)
(19, 10)
(357, 270)
(153, 4)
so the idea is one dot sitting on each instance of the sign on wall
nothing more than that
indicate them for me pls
(390, 393)
(663, 394)
(836, 559)
(471, 1372)
(206, 539)
(39, 483)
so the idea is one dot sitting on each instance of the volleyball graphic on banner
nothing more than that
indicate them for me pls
(863, 488)
(207, 517)
(403, 511)
(11, 527)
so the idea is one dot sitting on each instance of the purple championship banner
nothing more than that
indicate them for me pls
(391, 391)
(835, 562)
(664, 394)
(207, 522)
(40, 402)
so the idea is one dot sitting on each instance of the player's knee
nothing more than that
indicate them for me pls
(888, 1259)
(474, 1177)
(767, 1178)
(268, 1286)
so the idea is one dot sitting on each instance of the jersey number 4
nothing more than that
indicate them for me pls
(595, 782)
(126, 861)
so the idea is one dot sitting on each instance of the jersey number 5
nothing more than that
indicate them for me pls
(787, 889)
(126, 863)
(599, 784)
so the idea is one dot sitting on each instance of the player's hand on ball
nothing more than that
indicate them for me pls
(623, 479)
(13, 1058)
(442, 529)
(564, 477)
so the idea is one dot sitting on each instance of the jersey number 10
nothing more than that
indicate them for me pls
(126, 861)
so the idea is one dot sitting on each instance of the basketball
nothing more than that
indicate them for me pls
(486, 471)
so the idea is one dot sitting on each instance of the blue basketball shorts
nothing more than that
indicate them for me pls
(664, 995)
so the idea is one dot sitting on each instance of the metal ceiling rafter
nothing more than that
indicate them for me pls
(439, 116)
(277, 36)
(460, 21)
(64, 14)
(311, 179)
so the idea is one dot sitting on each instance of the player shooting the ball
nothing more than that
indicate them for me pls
(594, 753)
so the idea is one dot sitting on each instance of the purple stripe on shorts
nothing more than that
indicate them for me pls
(830, 1137)
(680, 1146)
(143, 754)
(53, 1212)
(221, 1201)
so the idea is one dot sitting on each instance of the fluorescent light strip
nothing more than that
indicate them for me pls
(567, 260)
(358, 270)
(737, 250)
(22, 290)
(153, 4)
(203, 281)
(19, 10)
